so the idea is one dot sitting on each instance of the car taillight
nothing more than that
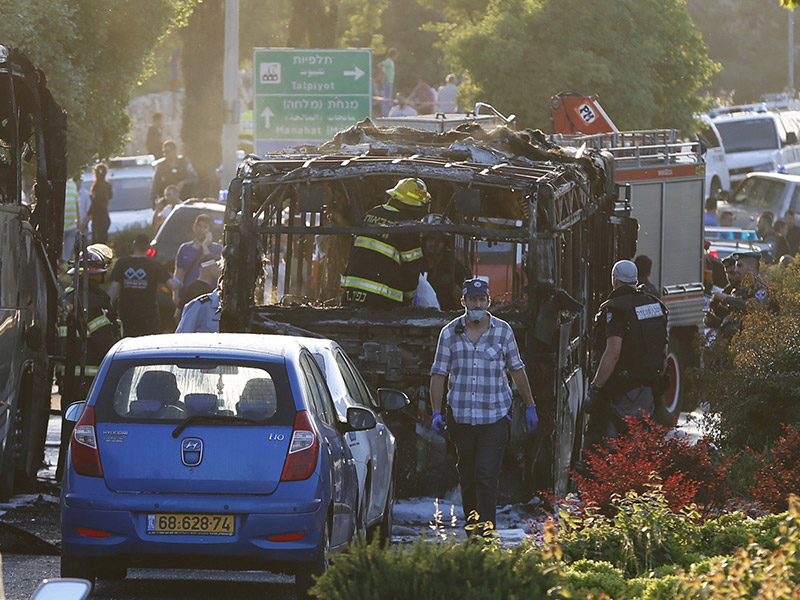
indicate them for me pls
(83, 446)
(151, 251)
(303, 450)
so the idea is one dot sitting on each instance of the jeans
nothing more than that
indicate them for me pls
(480, 451)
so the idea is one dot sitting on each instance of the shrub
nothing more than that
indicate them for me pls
(751, 381)
(434, 571)
(685, 470)
(586, 577)
(779, 478)
(754, 572)
(643, 534)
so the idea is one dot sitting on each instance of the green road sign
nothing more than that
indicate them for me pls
(307, 96)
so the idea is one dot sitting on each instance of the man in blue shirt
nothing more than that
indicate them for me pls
(478, 351)
(187, 261)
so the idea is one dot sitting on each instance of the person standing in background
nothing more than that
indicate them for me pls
(446, 96)
(155, 136)
(388, 67)
(84, 202)
(71, 218)
(173, 169)
(100, 195)
(135, 280)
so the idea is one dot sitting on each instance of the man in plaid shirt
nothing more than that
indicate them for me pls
(478, 352)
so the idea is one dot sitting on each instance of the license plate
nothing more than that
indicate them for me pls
(190, 524)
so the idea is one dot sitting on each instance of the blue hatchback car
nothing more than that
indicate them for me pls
(218, 451)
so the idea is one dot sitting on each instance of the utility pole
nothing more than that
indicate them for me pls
(230, 93)
(791, 53)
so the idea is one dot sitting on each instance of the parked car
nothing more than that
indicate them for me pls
(759, 192)
(177, 228)
(373, 450)
(131, 178)
(219, 451)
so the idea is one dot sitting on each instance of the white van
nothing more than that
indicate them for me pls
(718, 180)
(761, 192)
(758, 140)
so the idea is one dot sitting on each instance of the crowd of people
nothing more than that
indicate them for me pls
(423, 99)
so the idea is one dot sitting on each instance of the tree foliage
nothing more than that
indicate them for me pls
(643, 58)
(749, 40)
(93, 53)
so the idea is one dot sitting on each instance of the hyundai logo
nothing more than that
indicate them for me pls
(191, 451)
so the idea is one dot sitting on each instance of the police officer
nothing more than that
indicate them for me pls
(718, 310)
(384, 268)
(201, 315)
(630, 335)
(749, 286)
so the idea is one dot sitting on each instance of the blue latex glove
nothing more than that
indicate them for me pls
(531, 419)
(437, 423)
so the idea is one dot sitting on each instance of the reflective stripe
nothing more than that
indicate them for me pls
(70, 206)
(380, 247)
(97, 323)
(88, 370)
(411, 255)
(373, 287)
(62, 331)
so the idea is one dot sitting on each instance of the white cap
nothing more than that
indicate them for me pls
(625, 271)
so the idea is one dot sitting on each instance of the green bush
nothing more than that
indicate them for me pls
(753, 572)
(751, 381)
(434, 571)
(643, 534)
(586, 577)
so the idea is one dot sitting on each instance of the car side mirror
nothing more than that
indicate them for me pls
(360, 419)
(73, 412)
(392, 399)
(62, 589)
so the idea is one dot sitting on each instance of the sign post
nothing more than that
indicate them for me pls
(307, 96)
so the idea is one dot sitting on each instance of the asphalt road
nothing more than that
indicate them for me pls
(22, 574)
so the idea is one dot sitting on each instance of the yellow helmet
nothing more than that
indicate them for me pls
(411, 191)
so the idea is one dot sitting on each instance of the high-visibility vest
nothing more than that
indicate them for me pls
(71, 206)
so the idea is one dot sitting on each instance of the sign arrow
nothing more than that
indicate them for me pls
(356, 73)
(267, 114)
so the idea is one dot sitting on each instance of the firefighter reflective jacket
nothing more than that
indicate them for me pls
(641, 319)
(102, 329)
(384, 268)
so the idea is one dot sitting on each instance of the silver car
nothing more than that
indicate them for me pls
(373, 450)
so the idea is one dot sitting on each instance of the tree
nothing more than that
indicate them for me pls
(749, 40)
(93, 54)
(313, 24)
(643, 58)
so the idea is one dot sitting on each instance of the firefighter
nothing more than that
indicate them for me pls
(97, 325)
(630, 338)
(384, 268)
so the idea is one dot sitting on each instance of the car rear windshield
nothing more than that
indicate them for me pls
(172, 391)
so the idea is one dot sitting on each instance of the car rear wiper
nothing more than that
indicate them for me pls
(211, 419)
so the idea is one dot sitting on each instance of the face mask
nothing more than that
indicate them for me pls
(476, 315)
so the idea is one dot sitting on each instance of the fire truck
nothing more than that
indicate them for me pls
(289, 226)
(32, 143)
(663, 179)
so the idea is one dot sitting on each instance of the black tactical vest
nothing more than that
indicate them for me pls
(644, 340)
